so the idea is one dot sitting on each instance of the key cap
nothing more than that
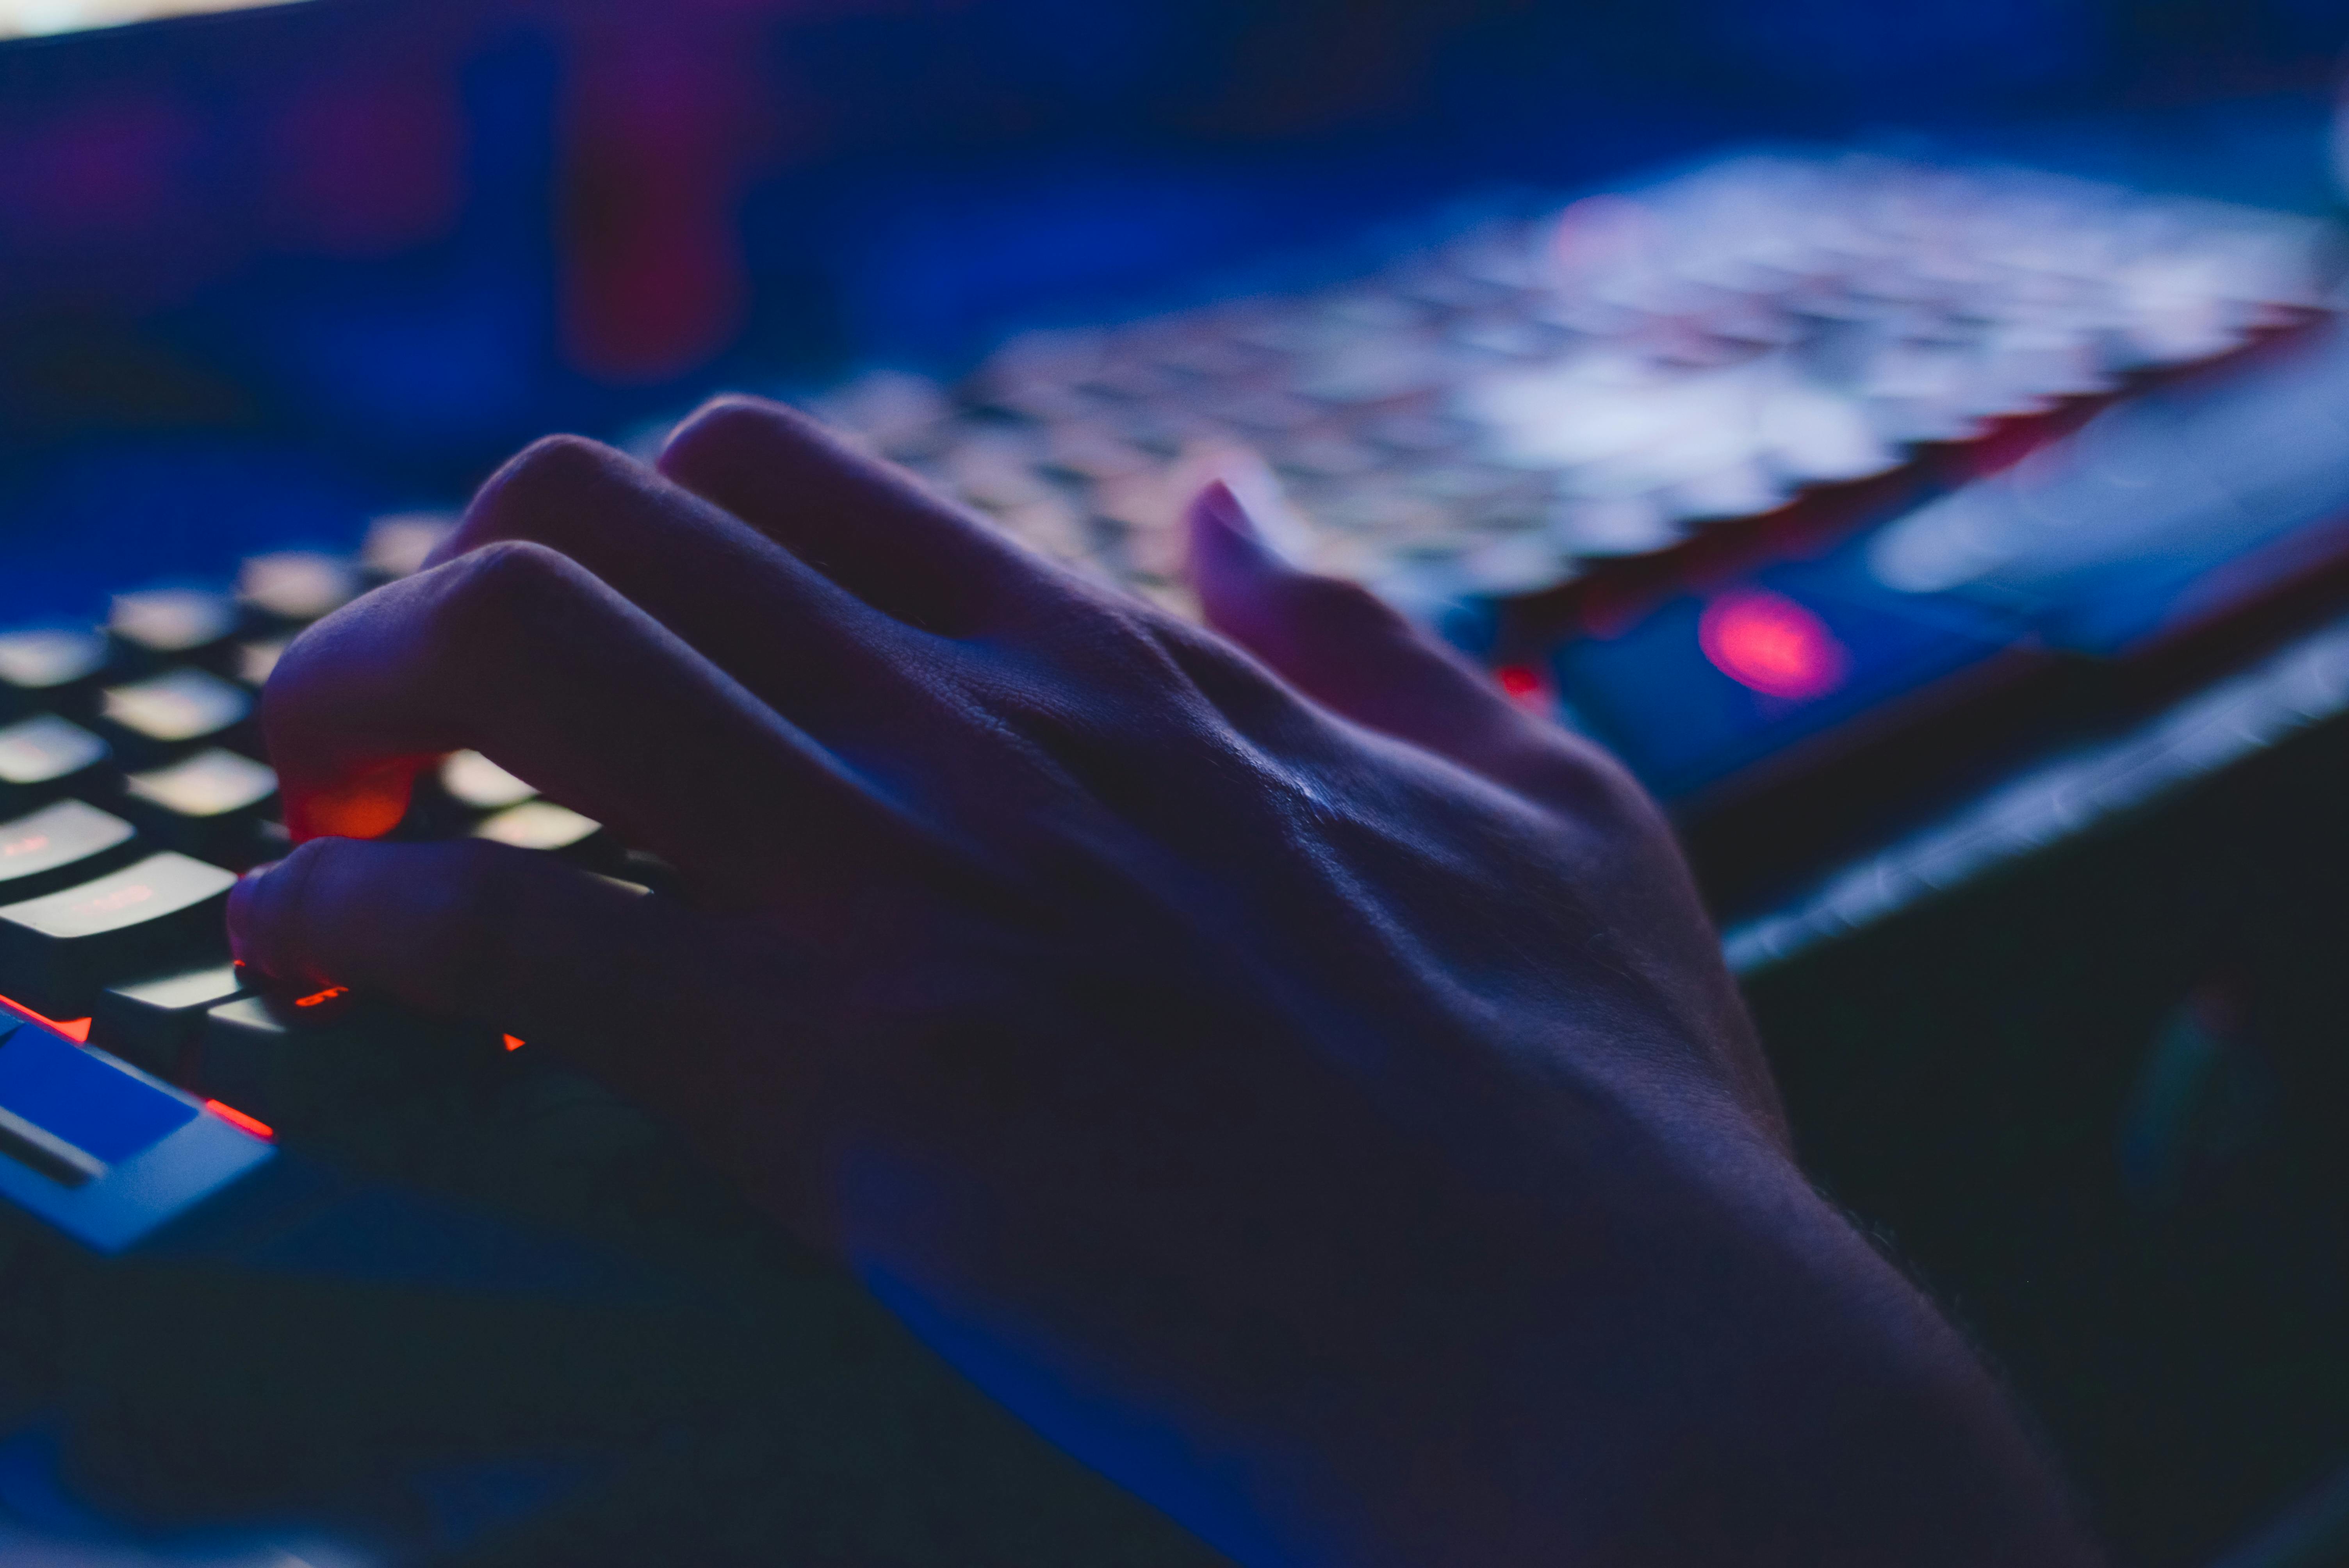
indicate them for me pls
(473, 781)
(298, 1061)
(59, 951)
(544, 825)
(45, 757)
(49, 668)
(58, 846)
(256, 662)
(397, 545)
(295, 587)
(152, 720)
(49, 1081)
(152, 1023)
(156, 625)
(452, 799)
(210, 805)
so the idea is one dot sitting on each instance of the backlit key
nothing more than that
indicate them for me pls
(207, 805)
(58, 846)
(151, 719)
(473, 781)
(59, 951)
(397, 546)
(294, 587)
(171, 623)
(256, 661)
(45, 757)
(48, 667)
(151, 1024)
(540, 825)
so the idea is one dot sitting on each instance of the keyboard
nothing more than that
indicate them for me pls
(1614, 449)
(1708, 463)
(1532, 397)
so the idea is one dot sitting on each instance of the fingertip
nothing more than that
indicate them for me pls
(245, 919)
(263, 931)
(365, 805)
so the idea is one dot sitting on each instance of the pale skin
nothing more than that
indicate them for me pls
(1289, 1075)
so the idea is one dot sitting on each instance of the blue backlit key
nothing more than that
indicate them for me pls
(100, 1150)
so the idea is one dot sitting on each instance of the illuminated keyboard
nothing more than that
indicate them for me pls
(305, 1279)
(1631, 452)
(1537, 397)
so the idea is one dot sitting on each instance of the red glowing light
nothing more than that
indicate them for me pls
(512, 1044)
(320, 998)
(1519, 683)
(1768, 641)
(75, 1029)
(241, 1121)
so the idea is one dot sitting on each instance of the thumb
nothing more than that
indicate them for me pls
(1347, 648)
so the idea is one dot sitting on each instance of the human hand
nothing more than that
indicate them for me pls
(1314, 1098)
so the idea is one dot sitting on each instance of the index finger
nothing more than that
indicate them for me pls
(520, 653)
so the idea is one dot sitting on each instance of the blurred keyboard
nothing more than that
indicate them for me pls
(1761, 468)
(1616, 449)
(1539, 395)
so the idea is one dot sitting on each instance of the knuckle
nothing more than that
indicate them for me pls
(502, 582)
(553, 469)
(540, 491)
(720, 431)
(496, 604)
(1584, 781)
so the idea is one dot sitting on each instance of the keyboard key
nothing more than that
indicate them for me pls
(153, 719)
(59, 951)
(256, 662)
(43, 757)
(296, 1061)
(295, 587)
(160, 623)
(210, 805)
(472, 780)
(48, 667)
(397, 546)
(151, 1024)
(58, 846)
(540, 825)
